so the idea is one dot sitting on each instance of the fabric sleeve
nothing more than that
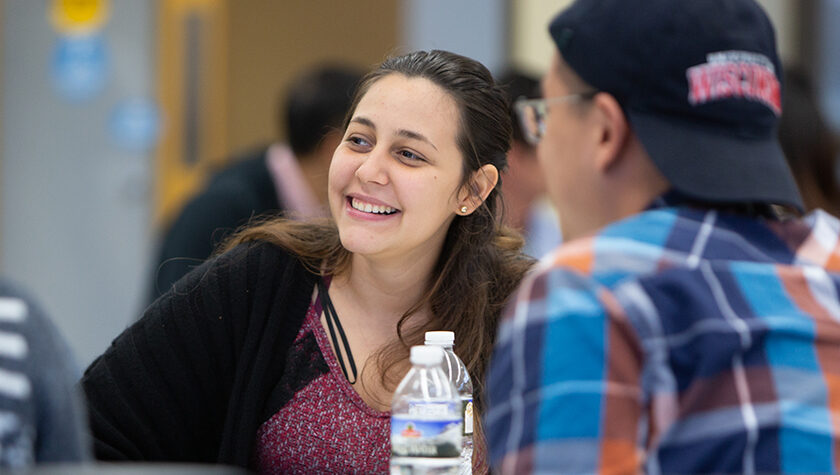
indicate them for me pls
(62, 420)
(161, 390)
(564, 381)
(39, 387)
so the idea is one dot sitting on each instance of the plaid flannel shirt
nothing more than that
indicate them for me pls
(678, 340)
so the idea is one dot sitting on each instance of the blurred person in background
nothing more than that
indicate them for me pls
(690, 322)
(42, 416)
(240, 362)
(527, 208)
(287, 179)
(809, 144)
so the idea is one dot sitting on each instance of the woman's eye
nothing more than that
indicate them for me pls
(359, 141)
(408, 155)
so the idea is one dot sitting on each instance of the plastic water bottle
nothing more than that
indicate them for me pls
(426, 424)
(457, 372)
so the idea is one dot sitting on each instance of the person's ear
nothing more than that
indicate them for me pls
(613, 131)
(477, 189)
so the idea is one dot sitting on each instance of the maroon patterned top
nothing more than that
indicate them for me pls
(326, 427)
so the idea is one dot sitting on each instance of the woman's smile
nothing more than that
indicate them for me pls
(368, 210)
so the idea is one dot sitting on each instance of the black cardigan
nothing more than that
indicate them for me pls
(196, 376)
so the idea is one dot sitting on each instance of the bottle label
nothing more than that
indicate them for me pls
(430, 410)
(413, 436)
(467, 411)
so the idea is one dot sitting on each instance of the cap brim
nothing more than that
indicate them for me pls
(717, 167)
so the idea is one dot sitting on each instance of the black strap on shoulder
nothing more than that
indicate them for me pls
(332, 324)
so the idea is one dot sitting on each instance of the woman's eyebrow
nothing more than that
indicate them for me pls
(364, 121)
(416, 136)
(402, 132)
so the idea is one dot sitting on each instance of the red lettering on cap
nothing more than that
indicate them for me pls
(725, 78)
(699, 86)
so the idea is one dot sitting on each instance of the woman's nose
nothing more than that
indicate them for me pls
(374, 167)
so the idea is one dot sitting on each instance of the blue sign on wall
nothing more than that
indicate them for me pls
(79, 66)
(134, 124)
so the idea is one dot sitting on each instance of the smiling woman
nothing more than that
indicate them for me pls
(389, 158)
(283, 352)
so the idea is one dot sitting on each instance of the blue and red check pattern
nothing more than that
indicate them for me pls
(676, 341)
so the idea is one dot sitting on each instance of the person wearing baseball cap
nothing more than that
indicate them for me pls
(690, 322)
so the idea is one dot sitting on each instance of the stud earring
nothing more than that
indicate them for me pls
(464, 209)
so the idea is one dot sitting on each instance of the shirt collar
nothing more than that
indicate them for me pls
(669, 199)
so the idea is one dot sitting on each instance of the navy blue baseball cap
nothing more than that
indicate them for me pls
(700, 84)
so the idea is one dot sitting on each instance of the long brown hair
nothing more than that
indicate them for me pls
(480, 264)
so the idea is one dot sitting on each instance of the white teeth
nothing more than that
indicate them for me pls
(369, 208)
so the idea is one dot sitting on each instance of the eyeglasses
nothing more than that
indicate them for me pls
(532, 113)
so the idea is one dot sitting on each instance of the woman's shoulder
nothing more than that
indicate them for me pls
(247, 265)
(253, 252)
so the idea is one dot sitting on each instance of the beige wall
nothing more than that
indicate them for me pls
(785, 17)
(271, 41)
(531, 47)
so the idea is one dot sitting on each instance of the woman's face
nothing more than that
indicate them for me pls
(395, 178)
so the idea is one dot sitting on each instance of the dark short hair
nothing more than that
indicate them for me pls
(518, 84)
(809, 144)
(316, 103)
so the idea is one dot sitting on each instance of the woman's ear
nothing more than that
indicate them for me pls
(476, 190)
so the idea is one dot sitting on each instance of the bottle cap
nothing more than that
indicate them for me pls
(426, 355)
(440, 338)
